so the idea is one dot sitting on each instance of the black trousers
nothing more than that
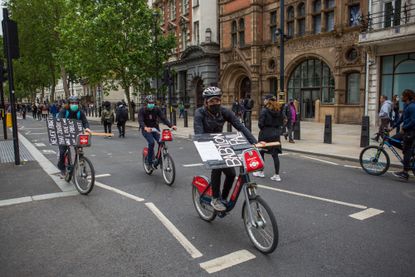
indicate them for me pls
(121, 127)
(107, 127)
(407, 148)
(276, 159)
(61, 162)
(215, 181)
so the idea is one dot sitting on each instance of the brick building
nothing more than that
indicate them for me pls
(324, 65)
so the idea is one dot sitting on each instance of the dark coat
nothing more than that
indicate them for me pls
(150, 118)
(270, 124)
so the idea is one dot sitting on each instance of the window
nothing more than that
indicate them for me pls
(184, 38)
(195, 3)
(392, 13)
(234, 34)
(185, 7)
(273, 26)
(329, 15)
(196, 33)
(354, 15)
(301, 19)
(273, 85)
(353, 88)
(317, 17)
(241, 32)
(172, 9)
(290, 21)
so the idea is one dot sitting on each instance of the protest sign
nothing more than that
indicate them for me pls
(62, 131)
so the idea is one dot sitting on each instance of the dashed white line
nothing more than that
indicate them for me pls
(320, 160)
(48, 151)
(123, 193)
(365, 214)
(102, 175)
(192, 165)
(175, 232)
(352, 166)
(40, 144)
(41, 197)
(227, 261)
(37, 133)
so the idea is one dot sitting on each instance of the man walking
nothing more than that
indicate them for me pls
(121, 118)
(290, 113)
(248, 106)
(384, 115)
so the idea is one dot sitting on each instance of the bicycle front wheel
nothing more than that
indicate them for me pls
(263, 231)
(84, 175)
(169, 171)
(148, 169)
(374, 160)
(204, 210)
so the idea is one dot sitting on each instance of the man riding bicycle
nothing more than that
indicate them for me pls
(71, 111)
(148, 118)
(210, 119)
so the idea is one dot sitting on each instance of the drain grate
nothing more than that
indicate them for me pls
(7, 152)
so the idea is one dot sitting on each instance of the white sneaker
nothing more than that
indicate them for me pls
(276, 177)
(259, 174)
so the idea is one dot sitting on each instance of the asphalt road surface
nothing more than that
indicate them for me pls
(333, 219)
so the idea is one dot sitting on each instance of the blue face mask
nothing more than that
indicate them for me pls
(73, 107)
(150, 106)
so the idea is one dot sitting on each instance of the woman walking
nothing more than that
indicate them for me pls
(107, 118)
(270, 122)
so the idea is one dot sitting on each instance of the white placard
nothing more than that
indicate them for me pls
(207, 151)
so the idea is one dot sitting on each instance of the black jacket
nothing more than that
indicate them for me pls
(205, 122)
(64, 113)
(150, 118)
(121, 114)
(287, 111)
(270, 124)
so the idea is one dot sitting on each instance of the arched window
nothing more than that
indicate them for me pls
(301, 19)
(353, 88)
(234, 34)
(290, 21)
(241, 32)
(317, 17)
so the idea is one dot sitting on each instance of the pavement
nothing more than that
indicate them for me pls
(345, 140)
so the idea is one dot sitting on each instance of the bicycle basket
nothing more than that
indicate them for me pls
(166, 135)
(252, 160)
(83, 140)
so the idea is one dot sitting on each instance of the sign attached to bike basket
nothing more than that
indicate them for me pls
(62, 131)
(221, 150)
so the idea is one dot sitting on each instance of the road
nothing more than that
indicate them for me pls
(333, 219)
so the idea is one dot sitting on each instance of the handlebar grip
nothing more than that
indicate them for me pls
(101, 134)
(268, 144)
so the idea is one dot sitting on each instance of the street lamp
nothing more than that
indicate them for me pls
(156, 17)
(280, 32)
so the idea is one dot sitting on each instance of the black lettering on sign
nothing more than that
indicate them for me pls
(63, 131)
(226, 151)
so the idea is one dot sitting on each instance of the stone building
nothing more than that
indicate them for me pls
(389, 38)
(324, 67)
(195, 61)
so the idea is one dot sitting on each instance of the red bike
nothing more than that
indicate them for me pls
(260, 223)
(162, 158)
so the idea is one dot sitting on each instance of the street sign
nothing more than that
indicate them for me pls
(62, 131)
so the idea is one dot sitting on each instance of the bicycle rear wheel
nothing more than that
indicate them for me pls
(374, 160)
(169, 171)
(205, 211)
(84, 175)
(263, 232)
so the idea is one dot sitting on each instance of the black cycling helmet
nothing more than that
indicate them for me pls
(73, 99)
(211, 92)
(150, 99)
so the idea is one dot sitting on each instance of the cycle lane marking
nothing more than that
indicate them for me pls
(320, 160)
(40, 197)
(362, 215)
(120, 192)
(192, 165)
(227, 261)
(188, 246)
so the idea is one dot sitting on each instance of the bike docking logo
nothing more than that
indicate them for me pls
(226, 145)
(252, 160)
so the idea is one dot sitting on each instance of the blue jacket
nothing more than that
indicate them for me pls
(408, 117)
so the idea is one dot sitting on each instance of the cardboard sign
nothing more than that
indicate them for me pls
(62, 131)
(221, 150)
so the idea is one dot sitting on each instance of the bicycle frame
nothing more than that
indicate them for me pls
(78, 153)
(386, 141)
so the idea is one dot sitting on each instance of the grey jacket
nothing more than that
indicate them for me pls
(386, 109)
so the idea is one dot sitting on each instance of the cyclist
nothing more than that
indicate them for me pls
(210, 119)
(70, 112)
(407, 133)
(148, 118)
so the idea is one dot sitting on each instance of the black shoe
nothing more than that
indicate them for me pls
(401, 175)
(286, 136)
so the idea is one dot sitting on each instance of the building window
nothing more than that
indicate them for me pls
(329, 15)
(290, 21)
(241, 32)
(354, 15)
(273, 26)
(392, 13)
(353, 88)
(172, 9)
(196, 32)
(184, 39)
(195, 3)
(301, 19)
(185, 6)
(234, 34)
(317, 17)
(273, 85)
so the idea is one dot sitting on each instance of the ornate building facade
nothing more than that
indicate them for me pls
(324, 67)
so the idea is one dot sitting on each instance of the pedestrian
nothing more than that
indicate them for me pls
(121, 118)
(236, 108)
(54, 109)
(107, 118)
(133, 105)
(45, 111)
(395, 113)
(34, 111)
(384, 116)
(248, 106)
(39, 112)
(24, 110)
(290, 113)
(181, 110)
(270, 123)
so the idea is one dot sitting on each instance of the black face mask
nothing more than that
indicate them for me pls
(215, 109)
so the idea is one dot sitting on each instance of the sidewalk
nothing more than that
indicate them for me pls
(345, 140)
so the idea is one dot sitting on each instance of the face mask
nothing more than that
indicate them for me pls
(74, 107)
(214, 108)
(150, 106)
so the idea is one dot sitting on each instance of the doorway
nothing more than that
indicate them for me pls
(307, 103)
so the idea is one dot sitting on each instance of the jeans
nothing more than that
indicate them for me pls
(61, 162)
(107, 127)
(121, 128)
(215, 181)
(151, 139)
(384, 124)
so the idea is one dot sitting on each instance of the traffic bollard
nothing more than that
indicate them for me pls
(185, 118)
(364, 137)
(174, 121)
(297, 130)
(327, 130)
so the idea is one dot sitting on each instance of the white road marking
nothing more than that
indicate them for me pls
(123, 193)
(28, 133)
(102, 175)
(48, 151)
(40, 144)
(192, 165)
(316, 197)
(227, 261)
(175, 232)
(40, 197)
(352, 166)
(33, 128)
(37, 133)
(365, 214)
(323, 161)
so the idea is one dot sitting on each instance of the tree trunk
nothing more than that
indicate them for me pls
(64, 77)
(127, 95)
